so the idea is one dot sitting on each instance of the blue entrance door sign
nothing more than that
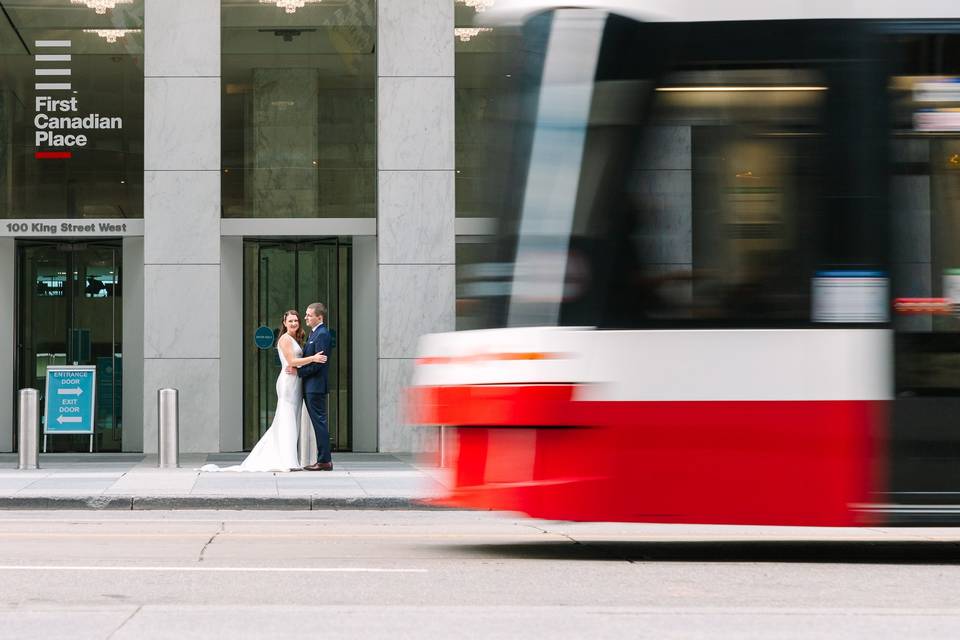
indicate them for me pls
(70, 399)
(263, 337)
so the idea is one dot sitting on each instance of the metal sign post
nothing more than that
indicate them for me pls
(70, 402)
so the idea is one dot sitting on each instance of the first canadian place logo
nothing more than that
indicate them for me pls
(47, 125)
(61, 132)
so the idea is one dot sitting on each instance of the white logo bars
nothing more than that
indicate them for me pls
(53, 45)
(44, 72)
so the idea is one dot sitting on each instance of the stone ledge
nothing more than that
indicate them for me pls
(113, 503)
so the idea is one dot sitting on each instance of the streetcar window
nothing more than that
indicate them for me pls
(757, 176)
(689, 175)
(726, 190)
(925, 201)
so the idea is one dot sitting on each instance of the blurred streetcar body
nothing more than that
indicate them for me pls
(690, 289)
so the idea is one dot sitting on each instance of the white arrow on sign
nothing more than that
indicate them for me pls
(75, 391)
(61, 419)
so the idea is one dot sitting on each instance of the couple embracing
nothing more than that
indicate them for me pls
(302, 379)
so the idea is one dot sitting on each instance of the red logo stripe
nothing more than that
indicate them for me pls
(52, 155)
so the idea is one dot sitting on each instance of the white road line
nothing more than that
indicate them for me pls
(211, 569)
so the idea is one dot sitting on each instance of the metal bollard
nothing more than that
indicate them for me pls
(29, 430)
(168, 428)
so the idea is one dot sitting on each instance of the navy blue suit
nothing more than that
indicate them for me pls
(315, 389)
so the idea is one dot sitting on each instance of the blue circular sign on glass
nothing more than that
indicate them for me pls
(263, 337)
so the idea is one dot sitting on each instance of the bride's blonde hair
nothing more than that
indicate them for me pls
(300, 335)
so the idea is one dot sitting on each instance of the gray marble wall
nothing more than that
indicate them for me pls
(365, 349)
(181, 328)
(415, 192)
(8, 288)
(132, 342)
(284, 146)
(231, 341)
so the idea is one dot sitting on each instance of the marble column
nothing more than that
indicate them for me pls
(415, 199)
(285, 135)
(182, 217)
(365, 351)
(8, 323)
(231, 341)
(133, 306)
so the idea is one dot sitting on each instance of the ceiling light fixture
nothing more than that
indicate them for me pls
(464, 34)
(478, 5)
(290, 6)
(111, 35)
(101, 6)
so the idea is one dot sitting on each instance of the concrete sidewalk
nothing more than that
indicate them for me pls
(132, 481)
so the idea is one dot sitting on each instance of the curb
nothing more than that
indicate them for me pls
(214, 503)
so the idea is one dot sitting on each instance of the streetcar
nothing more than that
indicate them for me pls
(725, 277)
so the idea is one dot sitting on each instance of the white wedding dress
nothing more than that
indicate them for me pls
(277, 449)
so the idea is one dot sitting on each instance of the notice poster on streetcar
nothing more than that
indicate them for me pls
(951, 286)
(850, 296)
(70, 399)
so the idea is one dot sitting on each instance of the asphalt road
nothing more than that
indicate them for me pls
(363, 574)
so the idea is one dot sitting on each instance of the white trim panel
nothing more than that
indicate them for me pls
(279, 227)
(696, 365)
(816, 364)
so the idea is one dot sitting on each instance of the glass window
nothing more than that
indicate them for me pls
(489, 72)
(70, 312)
(925, 196)
(299, 111)
(693, 175)
(71, 109)
(726, 192)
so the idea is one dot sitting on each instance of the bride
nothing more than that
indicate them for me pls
(277, 449)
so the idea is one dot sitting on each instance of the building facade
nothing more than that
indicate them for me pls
(238, 158)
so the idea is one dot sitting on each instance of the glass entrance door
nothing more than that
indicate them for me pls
(281, 275)
(69, 309)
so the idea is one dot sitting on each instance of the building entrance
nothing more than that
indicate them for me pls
(69, 308)
(281, 275)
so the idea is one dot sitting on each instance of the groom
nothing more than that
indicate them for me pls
(314, 377)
